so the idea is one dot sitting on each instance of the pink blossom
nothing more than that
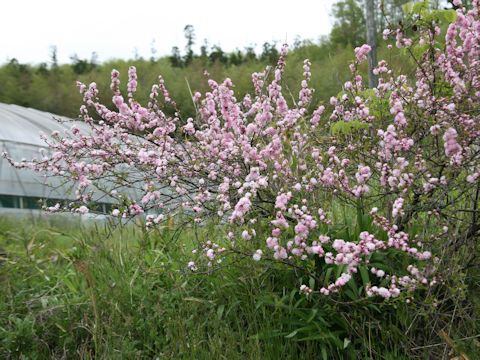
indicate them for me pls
(451, 146)
(82, 209)
(268, 157)
(241, 208)
(397, 207)
(361, 52)
(282, 200)
(257, 255)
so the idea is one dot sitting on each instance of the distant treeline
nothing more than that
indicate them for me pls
(51, 87)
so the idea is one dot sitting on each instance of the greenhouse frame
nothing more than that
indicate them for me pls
(26, 190)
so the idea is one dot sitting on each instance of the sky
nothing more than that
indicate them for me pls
(120, 29)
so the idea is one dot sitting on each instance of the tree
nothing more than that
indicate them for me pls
(153, 50)
(217, 54)
(16, 79)
(350, 20)
(372, 42)
(269, 53)
(53, 57)
(349, 25)
(236, 57)
(375, 196)
(250, 54)
(402, 164)
(189, 33)
(391, 12)
(82, 66)
(204, 50)
(175, 59)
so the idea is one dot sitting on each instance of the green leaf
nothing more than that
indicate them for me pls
(350, 294)
(448, 16)
(364, 274)
(360, 125)
(327, 276)
(353, 286)
(292, 295)
(312, 315)
(220, 310)
(69, 284)
(336, 128)
(419, 50)
(259, 304)
(346, 127)
(292, 334)
(318, 336)
(340, 270)
(324, 353)
(407, 8)
(298, 303)
(420, 6)
(311, 283)
(346, 342)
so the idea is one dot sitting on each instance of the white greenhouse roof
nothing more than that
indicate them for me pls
(20, 130)
(23, 125)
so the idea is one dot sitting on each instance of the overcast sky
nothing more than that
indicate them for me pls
(118, 29)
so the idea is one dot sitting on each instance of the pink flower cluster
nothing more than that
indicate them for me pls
(265, 164)
(362, 51)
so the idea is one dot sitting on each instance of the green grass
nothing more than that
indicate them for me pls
(76, 292)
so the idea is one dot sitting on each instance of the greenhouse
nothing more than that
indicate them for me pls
(20, 129)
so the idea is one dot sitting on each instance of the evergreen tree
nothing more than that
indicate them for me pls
(349, 26)
(189, 33)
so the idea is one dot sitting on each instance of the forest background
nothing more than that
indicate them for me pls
(51, 86)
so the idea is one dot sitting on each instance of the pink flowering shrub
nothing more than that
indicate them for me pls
(402, 159)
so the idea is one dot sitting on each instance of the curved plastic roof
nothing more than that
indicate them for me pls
(24, 125)
(20, 130)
